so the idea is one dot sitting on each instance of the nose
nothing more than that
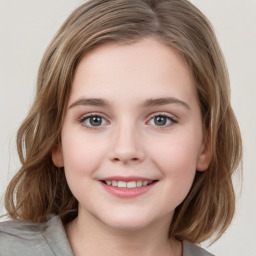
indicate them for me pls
(126, 146)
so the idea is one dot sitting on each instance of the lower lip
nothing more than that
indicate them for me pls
(127, 192)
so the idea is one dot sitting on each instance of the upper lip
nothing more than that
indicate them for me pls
(127, 178)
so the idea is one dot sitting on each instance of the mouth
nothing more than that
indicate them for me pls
(127, 187)
(128, 184)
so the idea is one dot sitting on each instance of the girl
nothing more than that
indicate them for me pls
(131, 142)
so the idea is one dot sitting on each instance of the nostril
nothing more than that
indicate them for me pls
(125, 155)
(125, 160)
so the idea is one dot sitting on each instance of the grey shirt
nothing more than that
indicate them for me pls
(49, 239)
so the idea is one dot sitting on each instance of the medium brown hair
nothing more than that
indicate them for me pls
(40, 188)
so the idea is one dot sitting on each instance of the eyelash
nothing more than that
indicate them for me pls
(88, 116)
(170, 118)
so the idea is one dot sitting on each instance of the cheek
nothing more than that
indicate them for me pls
(176, 155)
(177, 164)
(176, 158)
(82, 155)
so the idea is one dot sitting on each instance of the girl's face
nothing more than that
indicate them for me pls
(133, 118)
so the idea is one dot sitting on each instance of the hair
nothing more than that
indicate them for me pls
(39, 188)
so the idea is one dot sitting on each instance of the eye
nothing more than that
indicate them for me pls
(161, 120)
(93, 121)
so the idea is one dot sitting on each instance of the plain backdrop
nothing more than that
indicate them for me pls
(26, 28)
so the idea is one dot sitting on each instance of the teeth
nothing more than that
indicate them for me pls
(139, 184)
(145, 183)
(129, 184)
(114, 183)
(121, 184)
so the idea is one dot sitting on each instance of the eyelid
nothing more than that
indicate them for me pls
(92, 114)
(172, 117)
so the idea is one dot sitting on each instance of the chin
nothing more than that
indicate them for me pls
(128, 223)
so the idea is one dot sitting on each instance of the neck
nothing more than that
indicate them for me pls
(89, 236)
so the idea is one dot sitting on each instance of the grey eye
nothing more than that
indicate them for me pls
(160, 120)
(94, 121)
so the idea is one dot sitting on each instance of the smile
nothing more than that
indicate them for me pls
(129, 184)
(127, 187)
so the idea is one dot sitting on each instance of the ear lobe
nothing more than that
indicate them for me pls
(57, 156)
(204, 157)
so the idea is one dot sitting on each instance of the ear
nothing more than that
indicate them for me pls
(57, 156)
(204, 157)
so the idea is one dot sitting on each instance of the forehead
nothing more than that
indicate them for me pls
(139, 70)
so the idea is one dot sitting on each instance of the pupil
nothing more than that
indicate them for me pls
(95, 121)
(160, 120)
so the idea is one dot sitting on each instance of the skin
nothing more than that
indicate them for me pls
(130, 142)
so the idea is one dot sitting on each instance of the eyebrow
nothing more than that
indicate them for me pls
(99, 102)
(164, 101)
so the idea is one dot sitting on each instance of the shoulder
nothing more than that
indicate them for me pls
(190, 249)
(26, 238)
(20, 229)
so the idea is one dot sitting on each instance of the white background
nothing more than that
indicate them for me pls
(26, 28)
